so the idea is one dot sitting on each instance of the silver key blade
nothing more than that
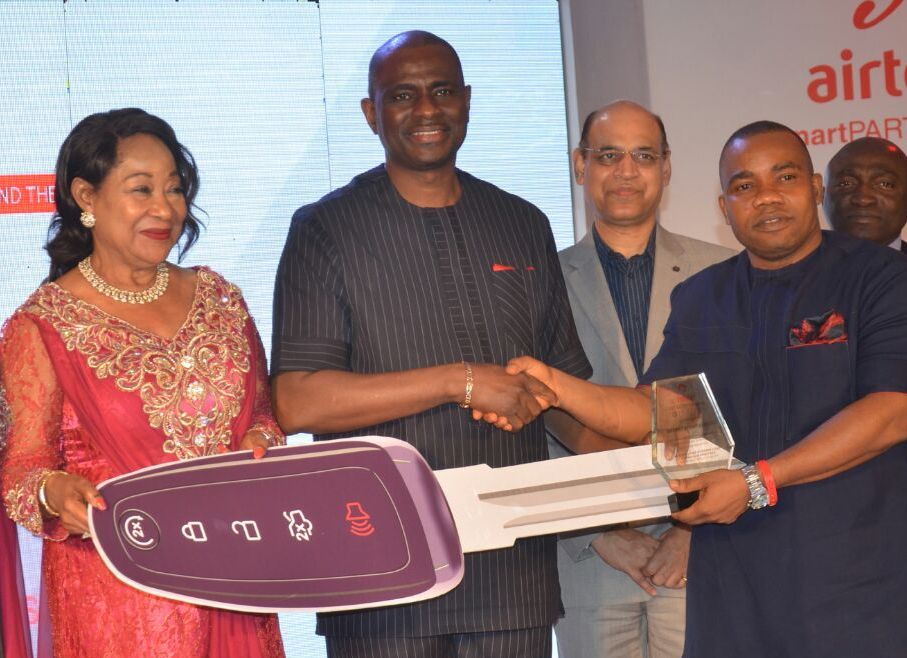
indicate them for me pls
(493, 507)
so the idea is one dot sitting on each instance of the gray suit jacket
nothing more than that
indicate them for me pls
(586, 581)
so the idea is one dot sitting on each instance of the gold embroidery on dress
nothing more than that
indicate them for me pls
(191, 386)
(23, 507)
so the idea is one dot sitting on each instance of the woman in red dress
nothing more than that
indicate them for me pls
(119, 361)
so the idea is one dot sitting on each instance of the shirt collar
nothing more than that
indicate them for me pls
(605, 252)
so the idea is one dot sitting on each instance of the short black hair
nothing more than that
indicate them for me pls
(409, 39)
(594, 114)
(89, 153)
(762, 127)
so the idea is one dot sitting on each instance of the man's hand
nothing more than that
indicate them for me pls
(723, 497)
(628, 550)
(533, 368)
(676, 413)
(507, 401)
(668, 565)
(340, 401)
(676, 444)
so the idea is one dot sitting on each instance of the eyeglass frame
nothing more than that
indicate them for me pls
(633, 153)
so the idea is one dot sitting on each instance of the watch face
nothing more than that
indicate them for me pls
(758, 502)
(758, 492)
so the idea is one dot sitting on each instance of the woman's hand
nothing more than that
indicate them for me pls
(257, 442)
(69, 495)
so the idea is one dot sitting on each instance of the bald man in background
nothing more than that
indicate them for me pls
(623, 590)
(866, 191)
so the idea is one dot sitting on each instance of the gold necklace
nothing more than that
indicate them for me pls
(161, 279)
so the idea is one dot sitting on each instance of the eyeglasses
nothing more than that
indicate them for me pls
(609, 157)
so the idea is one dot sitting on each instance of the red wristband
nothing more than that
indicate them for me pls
(769, 481)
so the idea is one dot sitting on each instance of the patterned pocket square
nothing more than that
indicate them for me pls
(818, 330)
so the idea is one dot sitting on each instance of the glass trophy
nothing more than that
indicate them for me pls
(689, 434)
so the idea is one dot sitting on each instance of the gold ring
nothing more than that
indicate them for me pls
(683, 579)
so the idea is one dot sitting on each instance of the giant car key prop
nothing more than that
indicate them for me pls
(350, 523)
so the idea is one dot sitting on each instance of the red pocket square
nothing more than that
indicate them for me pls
(498, 267)
(818, 330)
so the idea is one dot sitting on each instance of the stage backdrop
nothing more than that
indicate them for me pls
(831, 70)
(266, 96)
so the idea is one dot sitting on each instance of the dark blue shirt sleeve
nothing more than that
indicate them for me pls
(669, 361)
(882, 326)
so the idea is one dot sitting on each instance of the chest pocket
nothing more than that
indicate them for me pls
(820, 380)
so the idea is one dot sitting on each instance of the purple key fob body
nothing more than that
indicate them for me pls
(335, 525)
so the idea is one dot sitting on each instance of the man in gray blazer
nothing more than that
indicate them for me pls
(623, 588)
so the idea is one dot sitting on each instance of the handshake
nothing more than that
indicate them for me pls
(511, 397)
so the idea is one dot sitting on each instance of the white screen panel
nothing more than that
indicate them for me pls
(34, 120)
(240, 83)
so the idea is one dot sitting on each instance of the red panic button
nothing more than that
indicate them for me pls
(360, 521)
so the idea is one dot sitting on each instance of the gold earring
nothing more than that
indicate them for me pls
(87, 219)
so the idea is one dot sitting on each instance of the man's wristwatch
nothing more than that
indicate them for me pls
(758, 492)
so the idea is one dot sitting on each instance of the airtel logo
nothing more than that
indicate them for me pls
(854, 79)
(861, 19)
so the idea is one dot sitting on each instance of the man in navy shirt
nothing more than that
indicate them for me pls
(804, 340)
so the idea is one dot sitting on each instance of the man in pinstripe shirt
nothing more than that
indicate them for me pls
(399, 297)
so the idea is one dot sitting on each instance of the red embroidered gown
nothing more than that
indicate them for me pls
(91, 394)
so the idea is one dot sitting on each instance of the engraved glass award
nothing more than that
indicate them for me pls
(689, 434)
